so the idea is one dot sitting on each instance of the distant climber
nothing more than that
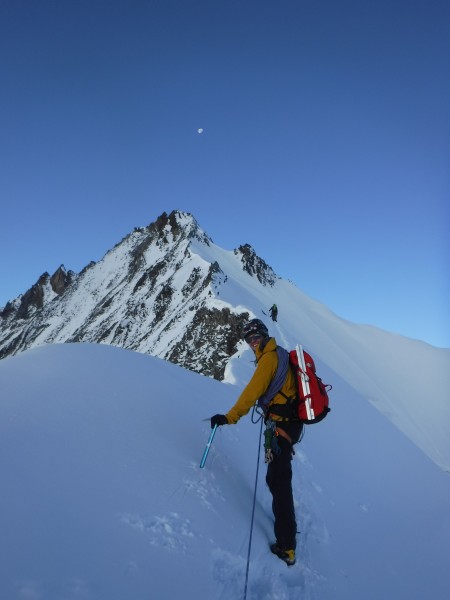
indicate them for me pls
(273, 312)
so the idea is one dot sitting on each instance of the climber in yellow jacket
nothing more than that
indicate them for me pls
(266, 367)
(282, 422)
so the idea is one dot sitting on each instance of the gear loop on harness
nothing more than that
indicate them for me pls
(271, 445)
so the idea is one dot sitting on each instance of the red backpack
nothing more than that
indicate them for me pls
(311, 391)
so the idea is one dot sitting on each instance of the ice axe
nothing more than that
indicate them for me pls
(208, 446)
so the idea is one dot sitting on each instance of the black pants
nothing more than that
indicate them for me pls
(279, 480)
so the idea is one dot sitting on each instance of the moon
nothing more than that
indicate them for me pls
(200, 130)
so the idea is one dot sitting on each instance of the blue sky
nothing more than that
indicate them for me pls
(326, 141)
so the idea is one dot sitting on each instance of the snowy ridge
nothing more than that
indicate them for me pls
(103, 497)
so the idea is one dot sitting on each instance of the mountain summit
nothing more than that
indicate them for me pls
(157, 291)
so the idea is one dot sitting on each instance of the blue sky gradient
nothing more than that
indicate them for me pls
(326, 141)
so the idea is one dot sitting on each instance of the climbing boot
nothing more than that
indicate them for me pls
(288, 556)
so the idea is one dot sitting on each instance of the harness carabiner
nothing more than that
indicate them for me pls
(270, 441)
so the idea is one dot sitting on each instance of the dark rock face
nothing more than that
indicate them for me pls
(157, 291)
(255, 266)
(33, 299)
(209, 342)
(60, 280)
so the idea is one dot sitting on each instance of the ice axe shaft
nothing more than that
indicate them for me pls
(208, 446)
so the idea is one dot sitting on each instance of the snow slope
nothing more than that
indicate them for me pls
(103, 499)
(407, 380)
(170, 291)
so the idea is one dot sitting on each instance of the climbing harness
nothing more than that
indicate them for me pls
(271, 445)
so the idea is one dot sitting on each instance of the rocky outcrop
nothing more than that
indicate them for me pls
(61, 279)
(209, 341)
(256, 266)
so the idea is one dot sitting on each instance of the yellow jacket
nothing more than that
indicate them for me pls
(266, 367)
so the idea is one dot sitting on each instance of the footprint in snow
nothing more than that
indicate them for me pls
(170, 531)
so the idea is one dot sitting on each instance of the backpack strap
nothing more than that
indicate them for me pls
(278, 379)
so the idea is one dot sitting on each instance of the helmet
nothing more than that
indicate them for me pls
(255, 326)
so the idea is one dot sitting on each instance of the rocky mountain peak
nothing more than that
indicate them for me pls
(154, 292)
(168, 233)
(170, 228)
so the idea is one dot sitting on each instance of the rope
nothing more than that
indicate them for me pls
(253, 512)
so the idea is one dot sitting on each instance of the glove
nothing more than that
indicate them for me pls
(218, 420)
